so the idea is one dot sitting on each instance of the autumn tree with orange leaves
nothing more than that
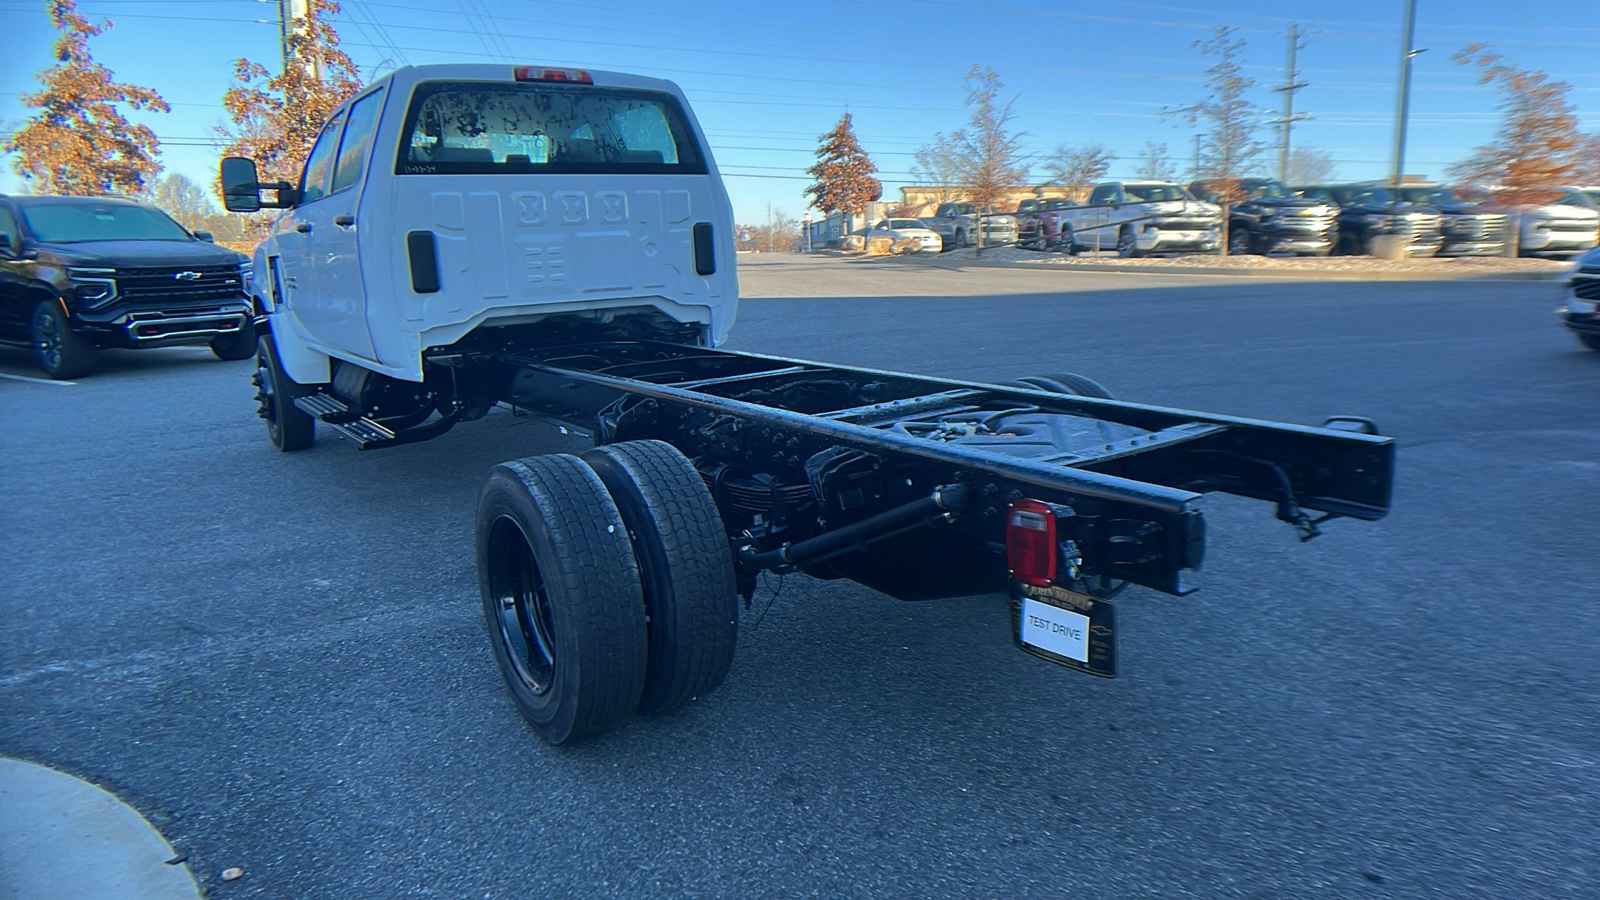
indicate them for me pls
(276, 117)
(1538, 147)
(843, 173)
(79, 142)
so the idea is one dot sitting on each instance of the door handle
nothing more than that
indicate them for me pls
(344, 221)
(303, 227)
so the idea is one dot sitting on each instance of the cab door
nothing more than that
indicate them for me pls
(341, 299)
(1102, 205)
(295, 232)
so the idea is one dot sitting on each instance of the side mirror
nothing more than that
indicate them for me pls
(241, 188)
(206, 236)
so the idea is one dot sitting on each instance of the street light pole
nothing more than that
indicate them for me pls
(1406, 55)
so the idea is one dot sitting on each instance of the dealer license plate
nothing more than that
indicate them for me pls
(1068, 628)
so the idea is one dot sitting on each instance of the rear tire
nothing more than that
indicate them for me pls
(1066, 242)
(685, 564)
(1066, 383)
(289, 427)
(236, 346)
(562, 601)
(61, 352)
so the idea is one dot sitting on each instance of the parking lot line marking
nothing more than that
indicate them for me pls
(37, 380)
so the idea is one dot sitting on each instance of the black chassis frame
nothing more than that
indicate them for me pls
(850, 472)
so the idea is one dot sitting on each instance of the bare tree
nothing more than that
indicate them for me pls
(1077, 168)
(1587, 158)
(938, 165)
(1309, 165)
(843, 173)
(79, 141)
(778, 234)
(183, 200)
(1156, 164)
(1228, 118)
(989, 156)
(1538, 147)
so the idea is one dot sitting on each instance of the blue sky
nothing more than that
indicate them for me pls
(766, 82)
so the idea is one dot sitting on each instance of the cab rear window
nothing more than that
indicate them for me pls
(480, 128)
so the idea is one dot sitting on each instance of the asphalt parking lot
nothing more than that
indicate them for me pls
(278, 659)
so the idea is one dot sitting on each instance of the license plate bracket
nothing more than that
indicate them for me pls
(1065, 627)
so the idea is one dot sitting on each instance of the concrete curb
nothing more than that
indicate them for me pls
(1309, 273)
(64, 837)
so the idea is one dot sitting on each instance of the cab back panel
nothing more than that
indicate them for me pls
(515, 239)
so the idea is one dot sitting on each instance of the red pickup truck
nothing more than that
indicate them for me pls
(1039, 222)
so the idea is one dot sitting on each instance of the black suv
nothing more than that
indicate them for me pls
(1367, 211)
(80, 273)
(1273, 219)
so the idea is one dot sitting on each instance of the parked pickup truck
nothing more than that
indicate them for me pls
(1466, 227)
(1368, 211)
(1039, 221)
(1270, 218)
(1137, 218)
(558, 242)
(957, 223)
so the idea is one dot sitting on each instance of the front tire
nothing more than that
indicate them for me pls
(1592, 341)
(1239, 242)
(289, 427)
(61, 352)
(562, 599)
(685, 564)
(1127, 246)
(234, 347)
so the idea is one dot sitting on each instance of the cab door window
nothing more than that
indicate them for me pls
(1104, 195)
(8, 229)
(358, 133)
(319, 163)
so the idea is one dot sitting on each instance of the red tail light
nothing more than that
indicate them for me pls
(1031, 542)
(537, 73)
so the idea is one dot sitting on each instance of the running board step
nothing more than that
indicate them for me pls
(336, 414)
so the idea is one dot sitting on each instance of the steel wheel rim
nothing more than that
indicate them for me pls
(1125, 244)
(47, 326)
(524, 622)
(1238, 241)
(265, 396)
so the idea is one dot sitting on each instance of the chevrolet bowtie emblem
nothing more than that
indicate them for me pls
(187, 276)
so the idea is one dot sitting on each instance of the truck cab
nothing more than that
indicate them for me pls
(446, 201)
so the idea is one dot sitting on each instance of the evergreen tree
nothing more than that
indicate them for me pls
(79, 141)
(843, 173)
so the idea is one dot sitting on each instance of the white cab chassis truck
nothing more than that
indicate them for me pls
(558, 242)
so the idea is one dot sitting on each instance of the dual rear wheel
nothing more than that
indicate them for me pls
(607, 583)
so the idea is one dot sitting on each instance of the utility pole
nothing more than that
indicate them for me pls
(1288, 89)
(290, 12)
(1406, 55)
